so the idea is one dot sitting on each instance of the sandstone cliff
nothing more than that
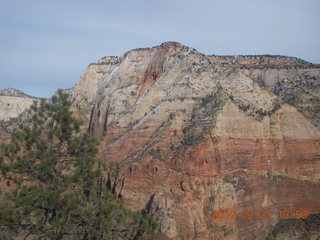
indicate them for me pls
(196, 133)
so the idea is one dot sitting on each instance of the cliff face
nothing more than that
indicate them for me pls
(197, 133)
(84, 92)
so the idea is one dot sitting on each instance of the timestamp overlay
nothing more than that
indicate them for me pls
(259, 214)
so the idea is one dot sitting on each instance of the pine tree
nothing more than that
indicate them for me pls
(58, 186)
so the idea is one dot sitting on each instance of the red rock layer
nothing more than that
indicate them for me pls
(183, 185)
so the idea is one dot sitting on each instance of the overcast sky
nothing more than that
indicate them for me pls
(46, 45)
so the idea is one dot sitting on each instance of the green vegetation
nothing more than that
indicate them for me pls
(156, 154)
(57, 185)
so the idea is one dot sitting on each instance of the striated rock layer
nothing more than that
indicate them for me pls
(196, 134)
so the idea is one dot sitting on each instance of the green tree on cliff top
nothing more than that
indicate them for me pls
(57, 185)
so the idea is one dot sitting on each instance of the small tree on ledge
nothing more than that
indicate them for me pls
(58, 185)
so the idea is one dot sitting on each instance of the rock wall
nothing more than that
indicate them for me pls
(194, 135)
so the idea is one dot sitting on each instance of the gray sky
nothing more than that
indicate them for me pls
(46, 45)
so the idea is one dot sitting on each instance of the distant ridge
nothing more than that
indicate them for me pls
(11, 92)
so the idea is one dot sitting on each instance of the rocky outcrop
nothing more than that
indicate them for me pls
(196, 134)
(13, 102)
